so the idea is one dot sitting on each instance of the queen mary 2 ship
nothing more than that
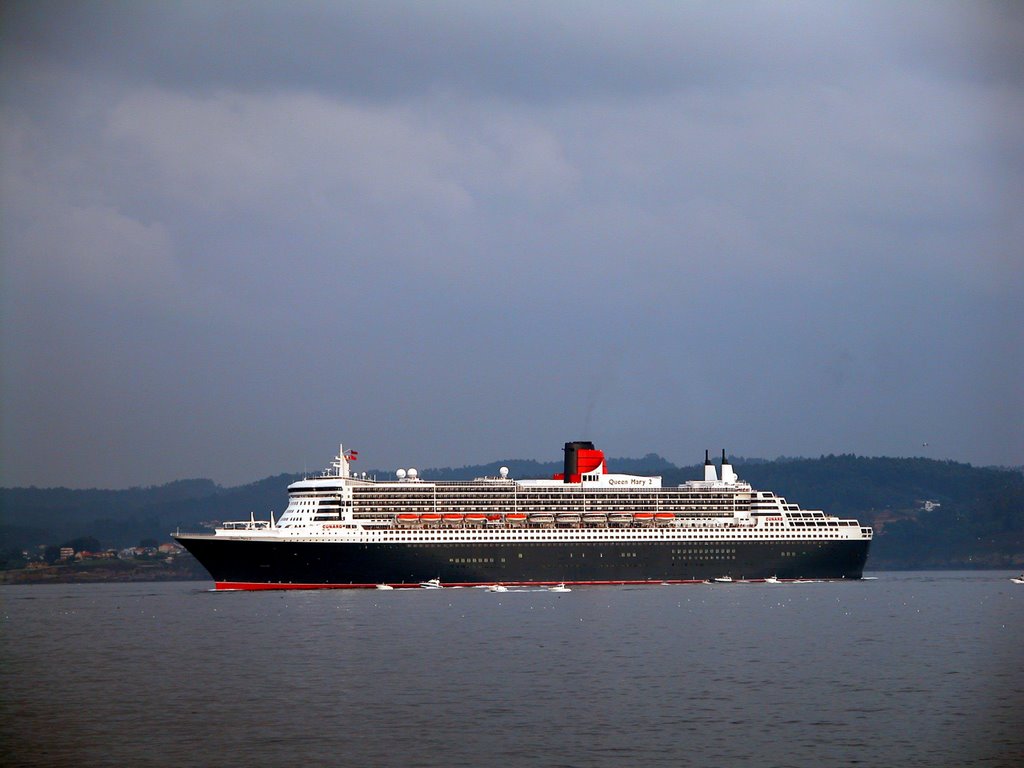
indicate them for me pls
(585, 526)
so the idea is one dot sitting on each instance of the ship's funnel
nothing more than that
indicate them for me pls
(728, 476)
(710, 476)
(581, 457)
(572, 451)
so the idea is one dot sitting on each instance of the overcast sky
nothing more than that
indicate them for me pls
(235, 234)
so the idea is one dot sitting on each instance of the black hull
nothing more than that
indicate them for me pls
(255, 564)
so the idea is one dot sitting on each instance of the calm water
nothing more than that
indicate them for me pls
(922, 669)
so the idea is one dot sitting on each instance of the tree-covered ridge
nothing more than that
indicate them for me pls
(926, 513)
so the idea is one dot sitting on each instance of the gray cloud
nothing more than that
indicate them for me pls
(235, 233)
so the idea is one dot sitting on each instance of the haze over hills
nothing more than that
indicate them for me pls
(926, 513)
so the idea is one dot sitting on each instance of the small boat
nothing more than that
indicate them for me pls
(406, 518)
(559, 588)
(542, 518)
(723, 579)
(431, 584)
(1018, 580)
(516, 517)
(384, 586)
(430, 517)
(772, 580)
(497, 588)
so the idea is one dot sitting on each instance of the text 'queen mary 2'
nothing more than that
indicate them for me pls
(584, 526)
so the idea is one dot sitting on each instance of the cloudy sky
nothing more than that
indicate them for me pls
(235, 234)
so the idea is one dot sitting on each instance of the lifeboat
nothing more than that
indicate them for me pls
(430, 517)
(516, 517)
(453, 518)
(661, 518)
(620, 517)
(595, 518)
(568, 517)
(644, 518)
(542, 518)
(404, 518)
(476, 517)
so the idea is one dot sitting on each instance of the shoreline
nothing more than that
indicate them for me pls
(126, 572)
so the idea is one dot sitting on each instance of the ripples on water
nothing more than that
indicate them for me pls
(909, 670)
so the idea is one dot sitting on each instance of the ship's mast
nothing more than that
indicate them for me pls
(340, 462)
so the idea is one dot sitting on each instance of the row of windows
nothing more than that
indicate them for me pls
(573, 533)
(490, 560)
(391, 537)
(541, 493)
(530, 500)
(597, 509)
(590, 501)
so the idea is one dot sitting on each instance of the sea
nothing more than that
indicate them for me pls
(902, 669)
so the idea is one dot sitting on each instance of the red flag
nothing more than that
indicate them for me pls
(353, 455)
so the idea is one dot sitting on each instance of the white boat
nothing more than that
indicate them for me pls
(723, 579)
(772, 580)
(1018, 580)
(497, 588)
(384, 586)
(559, 588)
(431, 584)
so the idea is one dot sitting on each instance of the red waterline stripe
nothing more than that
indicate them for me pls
(259, 586)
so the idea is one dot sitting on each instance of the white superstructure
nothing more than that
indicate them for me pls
(341, 506)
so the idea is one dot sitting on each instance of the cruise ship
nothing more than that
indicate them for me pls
(585, 525)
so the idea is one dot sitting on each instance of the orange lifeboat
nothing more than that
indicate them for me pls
(453, 518)
(643, 517)
(476, 517)
(404, 518)
(516, 517)
(430, 517)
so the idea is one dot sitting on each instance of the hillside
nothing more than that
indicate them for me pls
(926, 513)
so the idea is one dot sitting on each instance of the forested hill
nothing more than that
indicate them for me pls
(926, 513)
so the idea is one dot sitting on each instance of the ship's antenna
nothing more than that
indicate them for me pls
(340, 462)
